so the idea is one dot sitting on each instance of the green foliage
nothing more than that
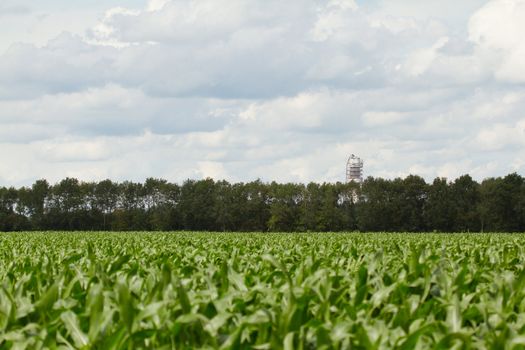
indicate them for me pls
(378, 205)
(261, 291)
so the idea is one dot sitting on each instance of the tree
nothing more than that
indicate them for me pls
(311, 208)
(197, 201)
(500, 205)
(225, 206)
(255, 213)
(409, 197)
(65, 199)
(285, 204)
(36, 204)
(466, 196)
(439, 210)
(106, 196)
(376, 212)
(12, 216)
(330, 217)
(408, 204)
(131, 214)
(349, 195)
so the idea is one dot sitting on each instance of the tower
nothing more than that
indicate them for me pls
(354, 169)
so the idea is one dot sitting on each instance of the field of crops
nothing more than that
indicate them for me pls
(261, 291)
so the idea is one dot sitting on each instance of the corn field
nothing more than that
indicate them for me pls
(261, 291)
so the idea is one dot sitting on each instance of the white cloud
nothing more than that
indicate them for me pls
(214, 170)
(332, 19)
(156, 5)
(497, 30)
(13, 10)
(500, 136)
(72, 150)
(242, 49)
(419, 61)
(373, 118)
(451, 12)
(268, 89)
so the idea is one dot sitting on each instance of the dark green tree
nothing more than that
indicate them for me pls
(255, 213)
(197, 202)
(466, 198)
(285, 207)
(439, 210)
(500, 206)
(376, 211)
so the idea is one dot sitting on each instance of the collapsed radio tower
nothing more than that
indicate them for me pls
(354, 169)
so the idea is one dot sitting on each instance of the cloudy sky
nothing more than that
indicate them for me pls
(247, 89)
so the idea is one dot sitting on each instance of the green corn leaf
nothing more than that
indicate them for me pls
(183, 298)
(288, 342)
(46, 301)
(125, 303)
(71, 323)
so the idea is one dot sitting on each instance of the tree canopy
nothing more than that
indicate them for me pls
(409, 204)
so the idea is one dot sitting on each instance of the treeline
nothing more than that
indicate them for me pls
(409, 204)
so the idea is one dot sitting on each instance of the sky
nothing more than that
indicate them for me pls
(251, 89)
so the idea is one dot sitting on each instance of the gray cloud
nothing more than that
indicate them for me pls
(252, 50)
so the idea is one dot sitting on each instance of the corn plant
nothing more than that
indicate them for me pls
(261, 291)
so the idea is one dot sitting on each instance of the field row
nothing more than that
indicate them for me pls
(261, 291)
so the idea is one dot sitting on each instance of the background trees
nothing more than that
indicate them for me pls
(501, 203)
(466, 200)
(439, 210)
(409, 204)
